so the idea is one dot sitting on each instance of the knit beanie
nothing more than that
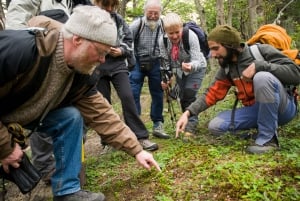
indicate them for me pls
(225, 35)
(93, 23)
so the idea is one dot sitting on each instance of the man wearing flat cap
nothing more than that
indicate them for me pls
(47, 84)
(261, 86)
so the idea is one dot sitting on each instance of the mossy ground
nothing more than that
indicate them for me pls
(208, 168)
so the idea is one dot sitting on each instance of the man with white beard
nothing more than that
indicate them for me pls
(146, 32)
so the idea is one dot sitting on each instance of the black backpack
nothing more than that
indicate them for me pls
(202, 38)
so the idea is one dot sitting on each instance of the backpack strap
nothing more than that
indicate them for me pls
(156, 40)
(166, 64)
(137, 36)
(165, 40)
(255, 52)
(140, 29)
(185, 39)
(46, 31)
(162, 26)
(232, 124)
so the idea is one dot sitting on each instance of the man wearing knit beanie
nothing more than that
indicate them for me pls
(261, 85)
(54, 93)
(226, 35)
(18, 16)
(100, 28)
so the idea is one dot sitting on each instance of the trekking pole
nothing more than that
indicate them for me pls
(170, 107)
(165, 75)
(174, 94)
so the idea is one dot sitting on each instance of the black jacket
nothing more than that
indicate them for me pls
(115, 65)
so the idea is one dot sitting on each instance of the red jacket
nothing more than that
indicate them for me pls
(275, 62)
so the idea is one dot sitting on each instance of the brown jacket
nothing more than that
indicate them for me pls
(62, 86)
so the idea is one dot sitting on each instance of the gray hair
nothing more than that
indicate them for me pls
(150, 3)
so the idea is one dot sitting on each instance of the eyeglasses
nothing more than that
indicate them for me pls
(153, 13)
(100, 51)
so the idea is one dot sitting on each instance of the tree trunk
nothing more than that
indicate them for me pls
(220, 12)
(230, 11)
(122, 9)
(201, 12)
(252, 26)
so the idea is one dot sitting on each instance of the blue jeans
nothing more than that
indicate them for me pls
(273, 107)
(65, 126)
(136, 78)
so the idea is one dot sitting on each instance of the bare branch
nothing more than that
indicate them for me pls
(277, 21)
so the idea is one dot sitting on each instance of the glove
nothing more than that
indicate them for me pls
(26, 177)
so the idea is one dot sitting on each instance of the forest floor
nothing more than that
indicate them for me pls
(208, 168)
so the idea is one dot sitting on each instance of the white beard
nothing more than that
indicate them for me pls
(151, 24)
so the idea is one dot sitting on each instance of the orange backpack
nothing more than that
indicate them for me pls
(276, 36)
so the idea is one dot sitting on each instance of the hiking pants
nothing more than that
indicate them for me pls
(120, 82)
(137, 77)
(273, 107)
(189, 86)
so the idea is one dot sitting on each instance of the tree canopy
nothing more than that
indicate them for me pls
(245, 15)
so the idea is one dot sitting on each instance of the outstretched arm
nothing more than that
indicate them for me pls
(182, 122)
(146, 160)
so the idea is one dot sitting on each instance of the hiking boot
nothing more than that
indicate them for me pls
(80, 196)
(158, 131)
(261, 149)
(148, 145)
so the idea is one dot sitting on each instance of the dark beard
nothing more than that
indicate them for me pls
(228, 58)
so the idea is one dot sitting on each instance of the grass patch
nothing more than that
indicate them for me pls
(208, 168)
